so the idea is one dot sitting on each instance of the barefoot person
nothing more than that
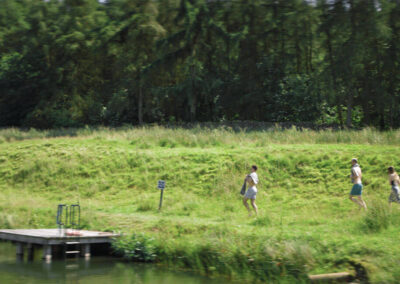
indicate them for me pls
(356, 191)
(394, 181)
(252, 180)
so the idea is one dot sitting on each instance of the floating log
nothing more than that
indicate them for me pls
(340, 276)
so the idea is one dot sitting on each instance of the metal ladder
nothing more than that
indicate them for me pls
(72, 248)
(74, 223)
(69, 217)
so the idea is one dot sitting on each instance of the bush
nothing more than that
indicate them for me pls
(137, 247)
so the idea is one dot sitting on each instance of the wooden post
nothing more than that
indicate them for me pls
(31, 252)
(20, 251)
(47, 249)
(86, 251)
(161, 197)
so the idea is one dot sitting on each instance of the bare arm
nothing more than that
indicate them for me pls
(249, 180)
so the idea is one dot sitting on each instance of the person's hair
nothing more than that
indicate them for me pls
(391, 170)
(254, 167)
(354, 160)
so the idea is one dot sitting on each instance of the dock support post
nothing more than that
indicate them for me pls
(31, 252)
(20, 251)
(47, 253)
(86, 251)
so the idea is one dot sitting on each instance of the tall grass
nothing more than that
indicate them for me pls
(266, 261)
(158, 136)
(377, 217)
(136, 247)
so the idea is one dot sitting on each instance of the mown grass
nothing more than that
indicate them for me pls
(306, 222)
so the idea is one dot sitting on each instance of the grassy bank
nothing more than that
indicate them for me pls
(149, 137)
(306, 222)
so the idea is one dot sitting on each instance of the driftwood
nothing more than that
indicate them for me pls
(340, 276)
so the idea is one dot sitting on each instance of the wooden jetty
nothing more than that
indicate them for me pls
(80, 241)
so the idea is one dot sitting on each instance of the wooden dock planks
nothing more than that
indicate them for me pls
(48, 238)
(53, 236)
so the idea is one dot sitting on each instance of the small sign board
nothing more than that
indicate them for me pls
(161, 184)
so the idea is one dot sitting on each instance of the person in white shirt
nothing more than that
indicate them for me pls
(357, 188)
(252, 180)
(394, 181)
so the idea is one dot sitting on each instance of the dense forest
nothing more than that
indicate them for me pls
(68, 63)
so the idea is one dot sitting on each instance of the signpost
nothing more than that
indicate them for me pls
(161, 186)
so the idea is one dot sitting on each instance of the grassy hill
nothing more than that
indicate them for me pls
(306, 222)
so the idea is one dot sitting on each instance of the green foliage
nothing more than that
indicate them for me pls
(282, 262)
(147, 205)
(7, 221)
(306, 223)
(377, 217)
(137, 247)
(75, 63)
(296, 100)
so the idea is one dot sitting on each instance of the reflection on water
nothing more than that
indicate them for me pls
(98, 270)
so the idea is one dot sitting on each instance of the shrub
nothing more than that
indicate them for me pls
(137, 247)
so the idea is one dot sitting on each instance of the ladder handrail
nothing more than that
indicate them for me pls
(60, 210)
(71, 214)
(75, 212)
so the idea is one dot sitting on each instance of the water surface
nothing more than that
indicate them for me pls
(97, 270)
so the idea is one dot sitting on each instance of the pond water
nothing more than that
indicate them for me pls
(97, 270)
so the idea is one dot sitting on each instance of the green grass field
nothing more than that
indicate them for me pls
(306, 222)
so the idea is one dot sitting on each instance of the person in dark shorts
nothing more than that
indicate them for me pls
(394, 181)
(356, 191)
(252, 180)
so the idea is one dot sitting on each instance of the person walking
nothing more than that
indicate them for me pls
(394, 181)
(357, 188)
(251, 179)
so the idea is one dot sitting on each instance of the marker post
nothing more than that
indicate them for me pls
(161, 186)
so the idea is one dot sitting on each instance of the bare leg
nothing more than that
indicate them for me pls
(246, 205)
(355, 201)
(362, 202)
(253, 203)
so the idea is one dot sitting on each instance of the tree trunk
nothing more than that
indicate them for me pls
(192, 99)
(366, 112)
(333, 74)
(349, 117)
(382, 123)
(340, 114)
(391, 113)
(298, 52)
(310, 50)
(140, 103)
